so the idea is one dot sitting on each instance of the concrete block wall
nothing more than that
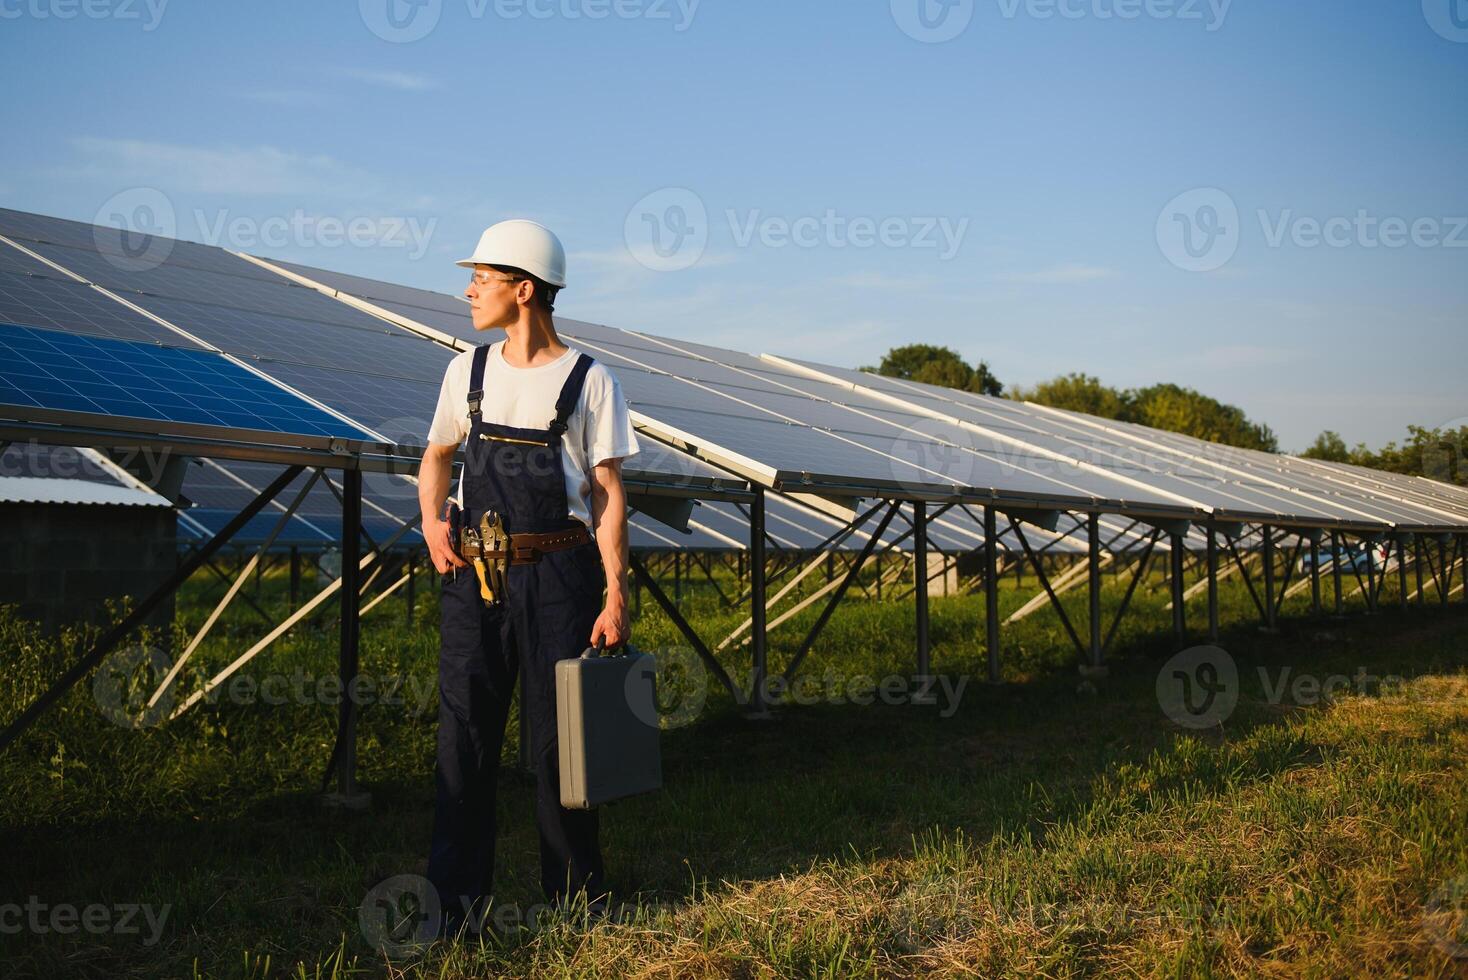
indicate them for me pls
(61, 562)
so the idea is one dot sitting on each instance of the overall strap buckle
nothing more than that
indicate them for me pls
(476, 379)
(570, 395)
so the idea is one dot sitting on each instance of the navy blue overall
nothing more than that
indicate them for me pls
(546, 616)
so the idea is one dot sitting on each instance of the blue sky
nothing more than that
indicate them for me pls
(1120, 187)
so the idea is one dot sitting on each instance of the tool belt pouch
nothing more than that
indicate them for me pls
(486, 546)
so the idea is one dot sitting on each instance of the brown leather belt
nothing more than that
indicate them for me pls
(527, 548)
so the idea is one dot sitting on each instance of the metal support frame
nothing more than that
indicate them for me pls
(991, 593)
(924, 694)
(1335, 572)
(1070, 630)
(1315, 575)
(759, 641)
(1270, 614)
(1212, 536)
(1402, 570)
(668, 607)
(1370, 577)
(1131, 590)
(343, 762)
(856, 567)
(1093, 567)
(1179, 621)
(1244, 571)
(122, 629)
(233, 590)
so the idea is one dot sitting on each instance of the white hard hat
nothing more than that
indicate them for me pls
(523, 245)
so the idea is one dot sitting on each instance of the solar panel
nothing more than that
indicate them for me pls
(130, 249)
(33, 294)
(275, 319)
(61, 372)
(1233, 482)
(785, 423)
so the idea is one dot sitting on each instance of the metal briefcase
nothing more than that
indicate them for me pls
(607, 725)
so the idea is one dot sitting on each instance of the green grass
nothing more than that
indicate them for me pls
(1050, 826)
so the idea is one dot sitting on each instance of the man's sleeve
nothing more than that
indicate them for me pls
(451, 418)
(609, 433)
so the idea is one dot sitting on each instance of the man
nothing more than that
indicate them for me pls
(547, 430)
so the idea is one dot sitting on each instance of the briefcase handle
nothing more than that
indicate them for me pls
(598, 651)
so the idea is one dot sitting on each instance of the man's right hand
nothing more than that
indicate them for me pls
(441, 548)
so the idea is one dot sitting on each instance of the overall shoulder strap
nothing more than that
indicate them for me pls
(570, 394)
(476, 379)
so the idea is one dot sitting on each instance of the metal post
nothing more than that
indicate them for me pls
(1402, 571)
(1179, 623)
(991, 593)
(1463, 553)
(1421, 592)
(920, 557)
(1093, 556)
(757, 707)
(1269, 611)
(347, 793)
(295, 576)
(1315, 574)
(1212, 584)
(1370, 576)
(677, 576)
(1335, 570)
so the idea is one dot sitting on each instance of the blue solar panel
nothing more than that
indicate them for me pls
(35, 295)
(48, 369)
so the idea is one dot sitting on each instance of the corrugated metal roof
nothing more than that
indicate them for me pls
(50, 490)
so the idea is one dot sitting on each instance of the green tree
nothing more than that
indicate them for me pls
(943, 366)
(1177, 409)
(1330, 447)
(1077, 393)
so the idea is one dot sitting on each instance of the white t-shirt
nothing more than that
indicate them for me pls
(599, 429)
